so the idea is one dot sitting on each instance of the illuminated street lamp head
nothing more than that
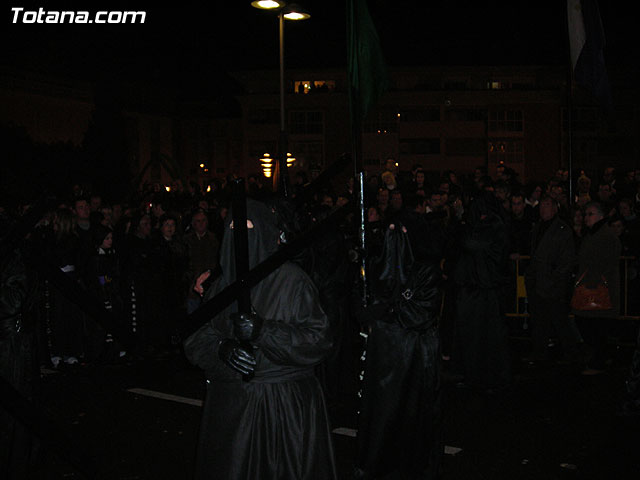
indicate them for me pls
(290, 12)
(295, 12)
(268, 4)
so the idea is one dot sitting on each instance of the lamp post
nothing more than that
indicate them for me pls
(288, 12)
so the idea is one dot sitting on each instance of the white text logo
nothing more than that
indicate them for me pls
(43, 16)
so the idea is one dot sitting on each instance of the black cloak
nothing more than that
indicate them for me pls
(481, 350)
(274, 425)
(399, 433)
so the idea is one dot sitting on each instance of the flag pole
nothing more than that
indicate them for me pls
(353, 62)
(587, 66)
(356, 132)
(367, 75)
(367, 81)
(570, 101)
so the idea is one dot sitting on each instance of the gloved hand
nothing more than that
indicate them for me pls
(246, 326)
(237, 357)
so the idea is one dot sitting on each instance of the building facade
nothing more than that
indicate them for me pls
(438, 117)
(448, 118)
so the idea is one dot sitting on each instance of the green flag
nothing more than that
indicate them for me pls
(367, 70)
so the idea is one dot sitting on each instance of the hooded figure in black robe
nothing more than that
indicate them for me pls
(399, 427)
(20, 451)
(273, 423)
(481, 351)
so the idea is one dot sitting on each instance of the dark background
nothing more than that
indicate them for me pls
(185, 54)
(190, 42)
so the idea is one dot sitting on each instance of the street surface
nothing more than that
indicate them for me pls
(139, 420)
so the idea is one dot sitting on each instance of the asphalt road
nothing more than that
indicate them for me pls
(139, 420)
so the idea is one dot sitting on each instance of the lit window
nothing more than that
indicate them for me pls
(314, 86)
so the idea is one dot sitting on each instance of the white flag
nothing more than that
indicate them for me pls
(577, 35)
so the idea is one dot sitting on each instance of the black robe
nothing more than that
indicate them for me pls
(481, 350)
(399, 427)
(20, 454)
(274, 425)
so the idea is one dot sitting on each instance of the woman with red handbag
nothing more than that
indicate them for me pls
(596, 297)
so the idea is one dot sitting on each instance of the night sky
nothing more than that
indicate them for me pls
(203, 43)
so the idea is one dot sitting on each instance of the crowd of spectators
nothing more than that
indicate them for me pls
(141, 257)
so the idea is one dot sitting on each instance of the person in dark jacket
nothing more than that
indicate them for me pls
(102, 279)
(548, 279)
(264, 414)
(67, 319)
(202, 247)
(598, 261)
(481, 352)
(141, 282)
(173, 259)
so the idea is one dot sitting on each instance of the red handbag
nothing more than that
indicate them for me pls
(590, 299)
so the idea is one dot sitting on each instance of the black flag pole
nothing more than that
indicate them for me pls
(368, 79)
(367, 76)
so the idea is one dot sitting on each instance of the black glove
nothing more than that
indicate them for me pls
(237, 357)
(246, 326)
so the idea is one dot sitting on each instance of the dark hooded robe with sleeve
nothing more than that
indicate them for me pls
(20, 451)
(399, 432)
(481, 351)
(274, 425)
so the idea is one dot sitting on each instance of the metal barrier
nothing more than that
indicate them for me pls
(521, 300)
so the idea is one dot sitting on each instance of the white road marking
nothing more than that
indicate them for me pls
(166, 396)
(348, 432)
(351, 432)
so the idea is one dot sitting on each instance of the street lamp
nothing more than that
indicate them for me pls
(288, 12)
(267, 163)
